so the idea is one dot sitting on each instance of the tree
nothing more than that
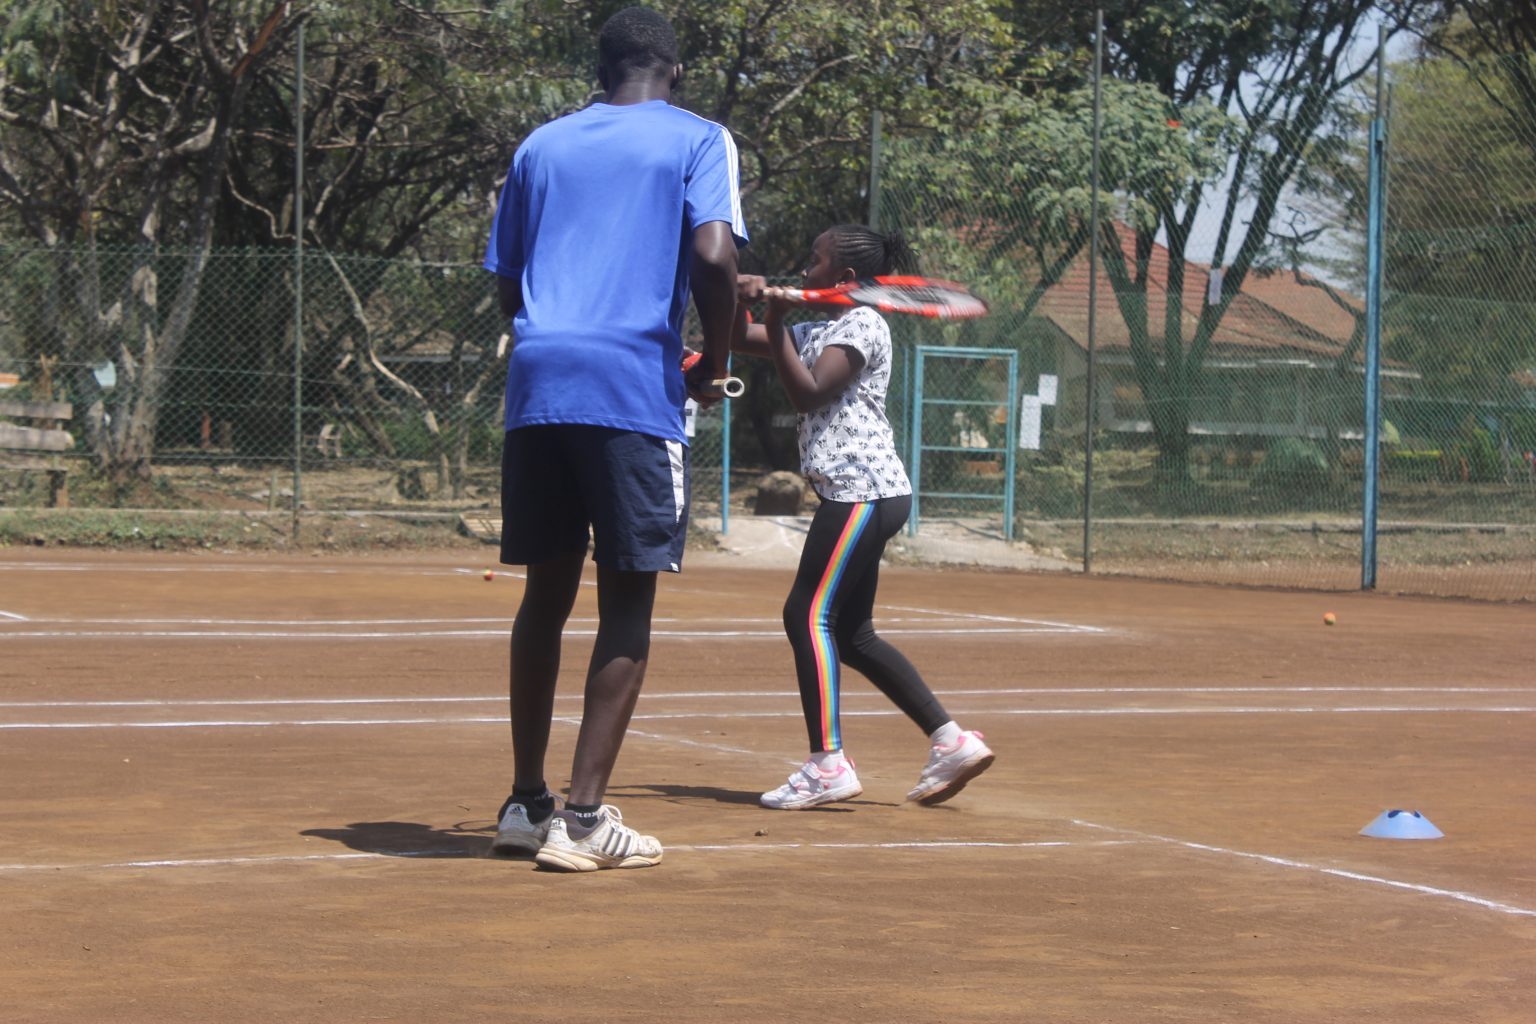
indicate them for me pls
(1016, 194)
(116, 126)
(798, 83)
(169, 129)
(1461, 239)
(1471, 29)
(411, 116)
(1282, 71)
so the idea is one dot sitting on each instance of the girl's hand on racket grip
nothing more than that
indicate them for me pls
(750, 287)
(783, 298)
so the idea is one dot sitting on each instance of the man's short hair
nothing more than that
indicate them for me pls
(637, 39)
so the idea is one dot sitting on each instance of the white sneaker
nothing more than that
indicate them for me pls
(811, 787)
(516, 836)
(950, 768)
(610, 844)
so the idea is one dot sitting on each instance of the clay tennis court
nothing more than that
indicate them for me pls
(242, 789)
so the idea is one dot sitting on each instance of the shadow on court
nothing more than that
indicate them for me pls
(747, 798)
(408, 839)
(711, 793)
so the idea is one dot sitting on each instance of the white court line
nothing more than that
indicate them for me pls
(254, 569)
(204, 863)
(932, 624)
(977, 616)
(718, 748)
(751, 694)
(460, 854)
(500, 620)
(258, 634)
(971, 713)
(221, 568)
(1286, 862)
(924, 844)
(1345, 710)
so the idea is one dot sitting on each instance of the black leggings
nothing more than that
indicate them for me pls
(829, 618)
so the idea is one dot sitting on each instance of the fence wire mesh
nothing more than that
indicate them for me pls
(1228, 401)
(1459, 315)
(401, 370)
(1227, 397)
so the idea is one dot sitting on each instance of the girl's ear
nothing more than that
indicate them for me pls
(845, 275)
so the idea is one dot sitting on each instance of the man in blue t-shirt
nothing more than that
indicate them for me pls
(607, 217)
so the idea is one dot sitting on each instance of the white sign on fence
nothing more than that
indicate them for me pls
(1029, 423)
(1047, 389)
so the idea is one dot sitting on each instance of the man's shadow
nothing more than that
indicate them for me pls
(412, 839)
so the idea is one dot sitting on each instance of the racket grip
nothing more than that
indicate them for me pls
(787, 294)
(733, 387)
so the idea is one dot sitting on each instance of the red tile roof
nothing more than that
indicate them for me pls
(1273, 317)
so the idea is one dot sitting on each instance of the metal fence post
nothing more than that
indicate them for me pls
(725, 459)
(1373, 272)
(1093, 291)
(298, 280)
(916, 398)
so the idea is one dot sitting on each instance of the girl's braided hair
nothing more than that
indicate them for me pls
(870, 253)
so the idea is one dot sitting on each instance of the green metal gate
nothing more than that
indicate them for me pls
(964, 432)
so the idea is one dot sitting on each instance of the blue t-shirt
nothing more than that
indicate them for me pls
(596, 220)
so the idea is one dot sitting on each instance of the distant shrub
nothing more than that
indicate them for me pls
(1292, 463)
(1412, 464)
(1473, 456)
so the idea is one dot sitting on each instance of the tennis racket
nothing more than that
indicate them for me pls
(919, 296)
(733, 387)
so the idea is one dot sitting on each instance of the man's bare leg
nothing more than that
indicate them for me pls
(536, 633)
(624, 601)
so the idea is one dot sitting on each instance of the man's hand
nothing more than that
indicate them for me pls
(702, 379)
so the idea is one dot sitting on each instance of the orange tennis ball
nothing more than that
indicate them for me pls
(1329, 618)
(489, 575)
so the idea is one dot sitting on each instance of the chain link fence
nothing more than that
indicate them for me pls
(191, 398)
(1168, 415)
(1228, 402)
(1459, 311)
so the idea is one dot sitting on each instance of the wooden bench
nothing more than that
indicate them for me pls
(35, 448)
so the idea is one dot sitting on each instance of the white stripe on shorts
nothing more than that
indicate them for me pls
(675, 454)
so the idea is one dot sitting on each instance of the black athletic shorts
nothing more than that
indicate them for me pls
(630, 489)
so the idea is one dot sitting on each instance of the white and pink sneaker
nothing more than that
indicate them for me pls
(811, 786)
(950, 768)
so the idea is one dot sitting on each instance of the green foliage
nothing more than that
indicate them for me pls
(1473, 456)
(798, 85)
(1014, 193)
(1461, 244)
(1412, 464)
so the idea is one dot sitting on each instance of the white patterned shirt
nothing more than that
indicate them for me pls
(847, 450)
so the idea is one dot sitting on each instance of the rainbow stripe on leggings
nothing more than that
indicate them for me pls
(822, 645)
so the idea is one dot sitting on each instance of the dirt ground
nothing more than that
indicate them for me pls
(247, 788)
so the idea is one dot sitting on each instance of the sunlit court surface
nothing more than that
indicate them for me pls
(245, 789)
